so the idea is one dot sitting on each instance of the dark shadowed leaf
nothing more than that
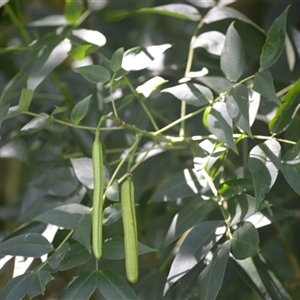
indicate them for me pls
(211, 278)
(28, 245)
(116, 60)
(58, 255)
(237, 104)
(264, 163)
(94, 73)
(25, 99)
(80, 109)
(286, 111)
(235, 186)
(82, 232)
(245, 241)
(194, 94)
(274, 42)
(290, 167)
(263, 84)
(195, 246)
(37, 283)
(175, 10)
(233, 61)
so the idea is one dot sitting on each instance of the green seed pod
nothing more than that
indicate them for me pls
(130, 230)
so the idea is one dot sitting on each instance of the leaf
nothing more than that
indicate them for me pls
(81, 287)
(15, 149)
(3, 2)
(82, 232)
(264, 163)
(290, 167)
(235, 186)
(220, 124)
(203, 3)
(245, 241)
(112, 214)
(180, 185)
(112, 192)
(113, 248)
(116, 60)
(254, 100)
(36, 124)
(94, 73)
(233, 61)
(275, 41)
(66, 216)
(237, 104)
(150, 86)
(240, 208)
(113, 286)
(190, 215)
(175, 10)
(28, 245)
(211, 41)
(58, 255)
(139, 58)
(211, 278)
(286, 111)
(48, 59)
(37, 283)
(191, 93)
(80, 52)
(80, 109)
(195, 246)
(25, 100)
(263, 84)
(72, 11)
(52, 20)
(90, 36)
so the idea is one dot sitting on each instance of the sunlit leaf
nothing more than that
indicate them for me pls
(15, 149)
(211, 41)
(36, 124)
(203, 3)
(82, 232)
(80, 52)
(191, 93)
(90, 36)
(220, 124)
(290, 167)
(3, 2)
(52, 20)
(263, 84)
(254, 101)
(28, 245)
(112, 192)
(237, 104)
(94, 73)
(116, 60)
(233, 61)
(264, 163)
(275, 40)
(175, 10)
(150, 86)
(37, 283)
(80, 109)
(73, 10)
(211, 278)
(112, 214)
(193, 249)
(286, 111)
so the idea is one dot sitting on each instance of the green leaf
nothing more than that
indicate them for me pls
(72, 11)
(245, 241)
(66, 216)
(37, 283)
(191, 93)
(36, 124)
(93, 37)
(113, 248)
(80, 109)
(275, 41)
(28, 245)
(290, 167)
(190, 215)
(263, 84)
(233, 61)
(59, 110)
(240, 208)
(112, 214)
(25, 100)
(220, 124)
(82, 232)
(76, 256)
(175, 10)
(81, 287)
(80, 52)
(94, 73)
(264, 163)
(286, 111)
(112, 192)
(48, 59)
(237, 104)
(211, 278)
(235, 186)
(211, 41)
(180, 185)
(113, 286)
(116, 60)
(195, 246)
(58, 255)
(139, 58)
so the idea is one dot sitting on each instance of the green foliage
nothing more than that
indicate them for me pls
(188, 99)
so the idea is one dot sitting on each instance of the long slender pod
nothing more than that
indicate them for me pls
(130, 230)
(97, 158)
